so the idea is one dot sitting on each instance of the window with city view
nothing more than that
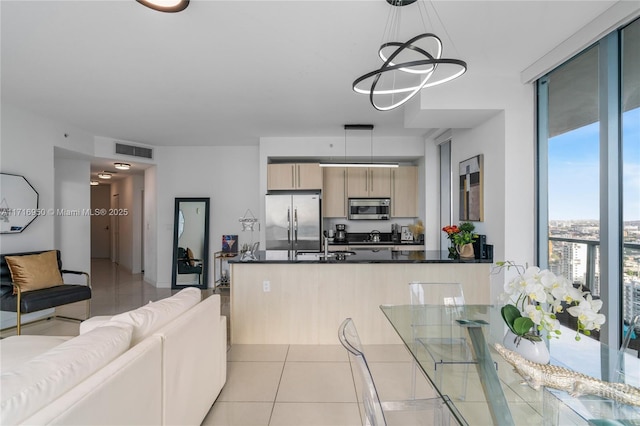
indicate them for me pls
(571, 161)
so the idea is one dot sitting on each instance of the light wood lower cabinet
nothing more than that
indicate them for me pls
(307, 302)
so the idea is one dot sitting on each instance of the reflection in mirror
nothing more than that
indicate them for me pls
(18, 203)
(190, 243)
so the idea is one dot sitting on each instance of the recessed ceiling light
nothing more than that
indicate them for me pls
(94, 183)
(104, 175)
(122, 166)
(165, 5)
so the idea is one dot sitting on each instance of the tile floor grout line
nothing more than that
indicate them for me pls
(275, 398)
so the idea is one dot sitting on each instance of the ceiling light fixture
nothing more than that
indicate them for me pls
(359, 164)
(104, 175)
(166, 5)
(94, 183)
(122, 166)
(407, 67)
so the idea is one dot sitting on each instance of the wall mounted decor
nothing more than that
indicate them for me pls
(471, 187)
(18, 203)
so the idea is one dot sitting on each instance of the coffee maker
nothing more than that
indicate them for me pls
(341, 233)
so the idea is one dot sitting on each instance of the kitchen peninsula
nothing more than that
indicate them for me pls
(287, 298)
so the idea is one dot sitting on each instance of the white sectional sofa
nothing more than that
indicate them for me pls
(161, 364)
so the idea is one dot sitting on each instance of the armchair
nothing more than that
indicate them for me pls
(15, 297)
(187, 264)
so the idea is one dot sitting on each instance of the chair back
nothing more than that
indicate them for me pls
(629, 332)
(349, 338)
(186, 262)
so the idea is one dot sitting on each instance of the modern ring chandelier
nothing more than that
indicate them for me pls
(407, 67)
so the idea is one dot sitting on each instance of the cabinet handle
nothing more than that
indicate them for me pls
(345, 191)
(371, 177)
(289, 225)
(293, 176)
(366, 180)
(298, 175)
(393, 192)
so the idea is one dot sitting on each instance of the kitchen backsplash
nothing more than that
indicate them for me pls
(366, 226)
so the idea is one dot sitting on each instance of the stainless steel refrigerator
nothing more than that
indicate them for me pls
(293, 221)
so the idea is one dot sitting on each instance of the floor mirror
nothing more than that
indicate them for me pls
(190, 243)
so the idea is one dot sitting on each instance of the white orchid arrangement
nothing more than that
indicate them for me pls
(534, 297)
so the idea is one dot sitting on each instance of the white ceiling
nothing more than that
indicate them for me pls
(230, 72)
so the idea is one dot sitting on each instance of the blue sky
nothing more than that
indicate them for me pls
(574, 171)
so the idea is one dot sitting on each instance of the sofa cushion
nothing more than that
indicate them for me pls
(93, 322)
(35, 271)
(44, 378)
(149, 318)
(16, 350)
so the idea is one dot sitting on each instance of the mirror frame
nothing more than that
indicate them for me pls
(21, 209)
(205, 254)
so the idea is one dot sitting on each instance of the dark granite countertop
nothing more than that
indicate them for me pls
(357, 256)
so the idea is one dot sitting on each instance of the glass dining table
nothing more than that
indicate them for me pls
(453, 345)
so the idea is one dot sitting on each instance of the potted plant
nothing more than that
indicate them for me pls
(417, 230)
(462, 238)
(533, 297)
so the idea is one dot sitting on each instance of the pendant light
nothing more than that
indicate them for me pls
(169, 6)
(371, 163)
(407, 66)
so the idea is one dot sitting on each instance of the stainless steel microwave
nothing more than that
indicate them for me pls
(369, 208)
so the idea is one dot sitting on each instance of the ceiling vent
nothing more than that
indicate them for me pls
(134, 151)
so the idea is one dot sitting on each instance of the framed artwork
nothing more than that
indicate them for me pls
(471, 187)
(406, 234)
(229, 243)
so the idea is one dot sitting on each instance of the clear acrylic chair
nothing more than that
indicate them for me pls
(446, 349)
(429, 411)
(626, 339)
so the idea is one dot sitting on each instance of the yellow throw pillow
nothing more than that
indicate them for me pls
(190, 256)
(35, 271)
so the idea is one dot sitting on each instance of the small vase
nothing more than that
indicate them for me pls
(465, 251)
(529, 349)
(453, 253)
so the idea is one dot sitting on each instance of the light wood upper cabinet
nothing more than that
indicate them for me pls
(404, 199)
(368, 182)
(334, 200)
(294, 176)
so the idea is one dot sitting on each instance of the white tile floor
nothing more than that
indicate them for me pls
(306, 385)
(266, 384)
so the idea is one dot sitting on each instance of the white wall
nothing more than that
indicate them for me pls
(73, 195)
(150, 232)
(227, 175)
(27, 149)
(129, 217)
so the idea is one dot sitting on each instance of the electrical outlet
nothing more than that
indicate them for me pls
(266, 286)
